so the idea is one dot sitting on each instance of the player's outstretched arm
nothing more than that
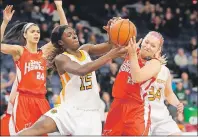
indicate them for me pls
(100, 49)
(63, 21)
(171, 97)
(14, 50)
(61, 13)
(65, 64)
(150, 70)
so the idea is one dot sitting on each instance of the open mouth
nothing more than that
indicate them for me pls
(36, 38)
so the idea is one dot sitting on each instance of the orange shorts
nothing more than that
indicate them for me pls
(27, 110)
(5, 125)
(126, 117)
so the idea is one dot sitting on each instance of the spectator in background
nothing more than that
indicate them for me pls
(11, 79)
(187, 84)
(139, 7)
(45, 34)
(47, 9)
(181, 60)
(180, 93)
(36, 15)
(156, 24)
(6, 85)
(124, 13)
(27, 8)
(3, 82)
(114, 11)
(179, 17)
(193, 55)
(107, 11)
(192, 69)
(171, 28)
(81, 38)
(92, 39)
(72, 14)
(193, 45)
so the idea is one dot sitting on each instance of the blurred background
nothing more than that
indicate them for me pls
(177, 20)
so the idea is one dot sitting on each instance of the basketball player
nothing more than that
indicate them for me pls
(161, 89)
(129, 91)
(27, 99)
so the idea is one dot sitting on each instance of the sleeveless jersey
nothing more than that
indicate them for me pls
(31, 73)
(156, 96)
(80, 91)
(124, 87)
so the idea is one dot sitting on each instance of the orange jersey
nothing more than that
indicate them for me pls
(124, 87)
(31, 73)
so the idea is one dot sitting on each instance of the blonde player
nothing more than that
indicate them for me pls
(159, 90)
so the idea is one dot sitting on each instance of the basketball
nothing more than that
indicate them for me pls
(121, 32)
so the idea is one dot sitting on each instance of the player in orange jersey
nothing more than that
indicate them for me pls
(28, 99)
(129, 90)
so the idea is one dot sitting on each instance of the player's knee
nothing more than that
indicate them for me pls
(47, 125)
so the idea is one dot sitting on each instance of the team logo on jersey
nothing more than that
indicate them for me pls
(125, 67)
(53, 111)
(33, 65)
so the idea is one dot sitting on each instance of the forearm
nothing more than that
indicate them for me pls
(100, 49)
(134, 65)
(172, 99)
(3, 27)
(63, 20)
(92, 66)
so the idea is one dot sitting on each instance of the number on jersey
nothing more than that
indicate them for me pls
(40, 76)
(152, 95)
(86, 82)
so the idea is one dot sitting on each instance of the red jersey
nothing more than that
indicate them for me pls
(124, 87)
(31, 73)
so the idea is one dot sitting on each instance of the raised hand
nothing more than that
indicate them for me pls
(132, 45)
(8, 13)
(180, 108)
(58, 3)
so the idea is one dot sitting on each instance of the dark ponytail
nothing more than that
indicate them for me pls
(15, 34)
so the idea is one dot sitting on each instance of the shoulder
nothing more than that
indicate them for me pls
(61, 58)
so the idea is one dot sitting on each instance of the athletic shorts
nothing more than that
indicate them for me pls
(165, 127)
(26, 111)
(127, 118)
(71, 120)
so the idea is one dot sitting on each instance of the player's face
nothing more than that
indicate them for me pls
(150, 46)
(70, 39)
(32, 34)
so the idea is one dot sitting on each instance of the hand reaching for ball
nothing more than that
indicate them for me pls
(111, 22)
(132, 45)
